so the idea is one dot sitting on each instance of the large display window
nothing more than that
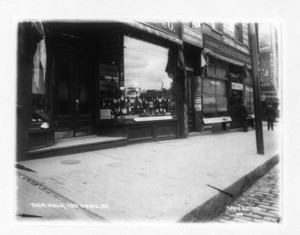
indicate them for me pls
(142, 89)
(148, 91)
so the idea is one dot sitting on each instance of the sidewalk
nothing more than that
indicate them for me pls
(167, 181)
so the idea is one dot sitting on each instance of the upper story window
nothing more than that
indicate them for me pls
(219, 27)
(238, 32)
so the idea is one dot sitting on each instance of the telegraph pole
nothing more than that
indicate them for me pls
(256, 88)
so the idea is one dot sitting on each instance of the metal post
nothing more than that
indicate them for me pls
(256, 88)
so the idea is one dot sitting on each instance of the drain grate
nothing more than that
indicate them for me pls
(70, 162)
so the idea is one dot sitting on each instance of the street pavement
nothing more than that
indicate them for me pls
(164, 181)
(260, 203)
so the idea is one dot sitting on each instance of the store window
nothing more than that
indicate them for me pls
(215, 92)
(238, 33)
(148, 90)
(39, 113)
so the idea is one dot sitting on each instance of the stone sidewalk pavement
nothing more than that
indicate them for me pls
(165, 181)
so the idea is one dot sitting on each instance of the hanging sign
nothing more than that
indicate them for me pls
(237, 86)
(192, 36)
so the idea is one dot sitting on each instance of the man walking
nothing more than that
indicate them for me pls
(270, 112)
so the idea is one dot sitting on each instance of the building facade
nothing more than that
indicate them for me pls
(268, 66)
(141, 81)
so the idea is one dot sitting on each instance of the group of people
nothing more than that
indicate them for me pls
(270, 114)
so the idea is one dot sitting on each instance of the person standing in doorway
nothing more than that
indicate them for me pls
(244, 115)
(270, 112)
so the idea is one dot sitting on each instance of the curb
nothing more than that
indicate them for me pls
(207, 211)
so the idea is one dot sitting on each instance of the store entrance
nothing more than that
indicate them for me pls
(73, 95)
(235, 108)
(190, 96)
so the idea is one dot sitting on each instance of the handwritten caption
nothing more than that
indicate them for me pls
(69, 205)
(239, 210)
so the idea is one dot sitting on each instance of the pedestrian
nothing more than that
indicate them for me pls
(270, 112)
(244, 116)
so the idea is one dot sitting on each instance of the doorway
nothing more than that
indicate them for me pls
(73, 95)
(190, 96)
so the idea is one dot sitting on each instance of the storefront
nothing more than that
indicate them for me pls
(193, 45)
(105, 79)
(226, 83)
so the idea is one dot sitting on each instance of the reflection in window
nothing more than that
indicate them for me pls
(148, 89)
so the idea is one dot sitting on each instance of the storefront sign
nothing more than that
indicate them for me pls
(171, 35)
(225, 50)
(198, 107)
(192, 36)
(237, 86)
(105, 114)
(167, 27)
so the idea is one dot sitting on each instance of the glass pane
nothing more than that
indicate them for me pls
(148, 89)
(209, 95)
(221, 96)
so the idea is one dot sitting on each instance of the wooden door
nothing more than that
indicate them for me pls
(73, 95)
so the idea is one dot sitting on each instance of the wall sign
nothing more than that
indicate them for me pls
(225, 50)
(105, 114)
(167, 27)
(192, 36)
(237, 86)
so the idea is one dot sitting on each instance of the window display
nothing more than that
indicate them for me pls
(145, 89)
(148, 89)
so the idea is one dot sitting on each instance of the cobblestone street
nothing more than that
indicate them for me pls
(260, 203)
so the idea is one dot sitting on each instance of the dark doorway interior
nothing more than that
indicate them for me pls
(73, 95)
(190, 95)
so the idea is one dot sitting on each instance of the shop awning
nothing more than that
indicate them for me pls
(213, 54)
